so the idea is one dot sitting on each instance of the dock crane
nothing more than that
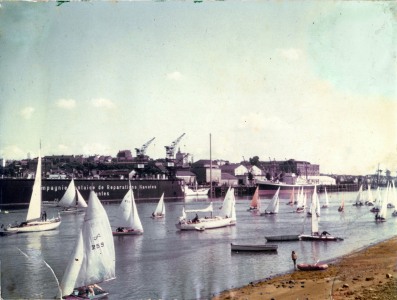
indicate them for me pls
(142, 151)
(170, 150)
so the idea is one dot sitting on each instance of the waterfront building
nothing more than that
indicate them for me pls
(204, 173)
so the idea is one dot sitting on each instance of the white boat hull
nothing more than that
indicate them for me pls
(206, 224)
(36, 226)
(306, 237)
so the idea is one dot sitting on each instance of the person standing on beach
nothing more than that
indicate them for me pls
(294, 257)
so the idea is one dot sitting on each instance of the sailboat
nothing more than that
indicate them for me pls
(226, 216)
(274, 204)
(315, 236)
(359, 200)
(394, 195)
(390, 199)
(159, 212)
(291, 201)
(300, 205)
(72, 200)
(381, 214)
(127, 218)
(377, 201)
(93, 259)
(255, 202)
(326, 199)
(341, 207)
(35, 220)
(196, 192)
(370, 198)
(315, 206)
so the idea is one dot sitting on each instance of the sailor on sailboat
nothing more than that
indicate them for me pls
(72, 200)
(127, 220)
(93, 259)
(34, 220)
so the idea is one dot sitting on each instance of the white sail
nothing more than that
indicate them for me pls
(227, 205)
(160, 208)
(370, 199)
(34, 211)
(93, 258)
(301, 199)
(359, 196)
(124, 216)
(314, 209)
(69, 198)
(80, 200)
(273, 206)
(233, 209)
(394, 196)
(383, 204)
(326, 198)
(136, 221)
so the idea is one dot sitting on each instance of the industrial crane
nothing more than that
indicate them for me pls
(170, 150)
(142, 151)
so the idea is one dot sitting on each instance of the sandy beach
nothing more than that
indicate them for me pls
(363, 275)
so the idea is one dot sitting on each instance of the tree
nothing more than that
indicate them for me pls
(254, 160)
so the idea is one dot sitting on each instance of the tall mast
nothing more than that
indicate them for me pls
(210, 169)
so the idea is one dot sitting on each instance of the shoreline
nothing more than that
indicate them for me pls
(374, 277)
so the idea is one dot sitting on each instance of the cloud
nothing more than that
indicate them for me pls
(96, 148)
(175, 76)
(290, 54)
(27, 112)
(103, 103)
(66, 103)
(12, 152)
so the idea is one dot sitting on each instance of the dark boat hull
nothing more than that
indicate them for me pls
(312, 267)
(266, 188)
(15, 193)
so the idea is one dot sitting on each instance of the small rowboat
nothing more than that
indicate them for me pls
(312, 267)
(253, 247)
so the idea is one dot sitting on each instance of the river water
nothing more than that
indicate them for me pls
(165, 263)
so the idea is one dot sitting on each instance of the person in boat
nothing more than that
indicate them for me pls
(120, 229)
(325, 233)
(91, 289)
(294, 257)
(153, 215)
(196, 219)
(44, 216)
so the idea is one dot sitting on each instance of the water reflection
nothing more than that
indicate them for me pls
(169, 264)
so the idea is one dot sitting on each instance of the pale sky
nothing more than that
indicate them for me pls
(313, 81)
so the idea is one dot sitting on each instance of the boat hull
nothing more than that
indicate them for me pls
(280, 238)
(129, 232)
(267, 187)
(204, 224)
(253, 247)
(15, 193)
(36, 226)
(312, 267)
(304, 237)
